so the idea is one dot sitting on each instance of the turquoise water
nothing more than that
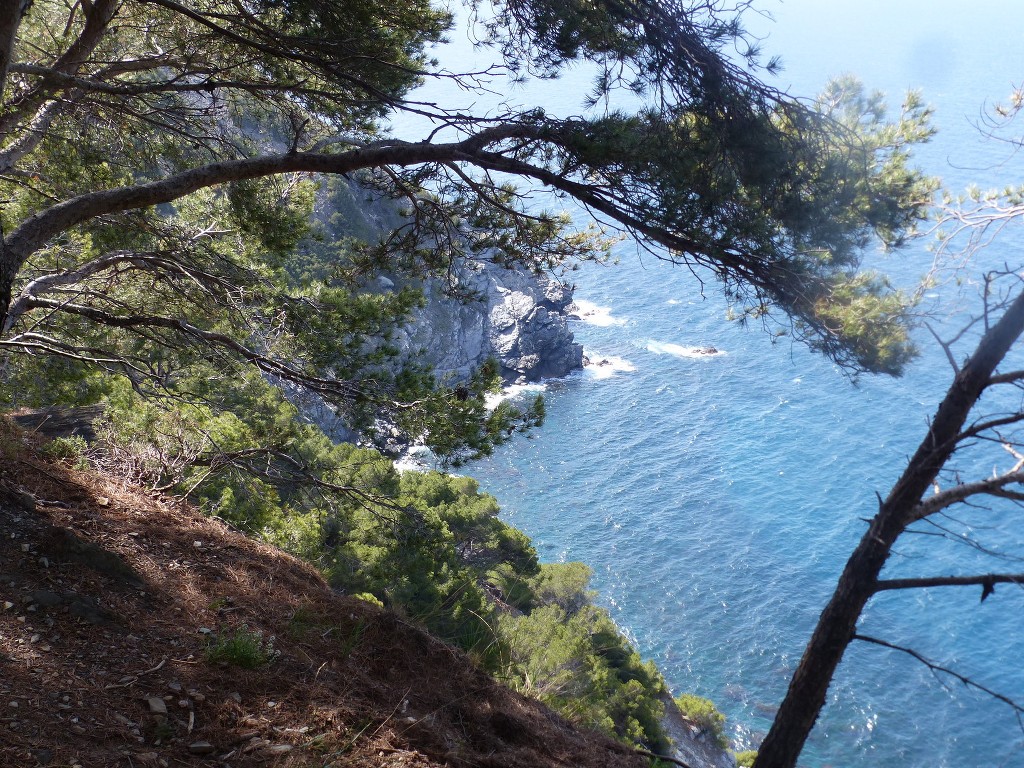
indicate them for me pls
(717, 496)
(716, 499)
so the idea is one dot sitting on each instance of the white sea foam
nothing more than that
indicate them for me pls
(673, 301)
(677, 350)
(594, 314)
(606, 366)
(512, 392)
(415, 458)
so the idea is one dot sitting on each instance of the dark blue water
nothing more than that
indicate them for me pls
(717, 497)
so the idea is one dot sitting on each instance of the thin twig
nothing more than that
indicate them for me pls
(937, 668)
(666, 758)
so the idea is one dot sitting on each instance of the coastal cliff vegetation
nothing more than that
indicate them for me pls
(426, 545)
(136, 630)
(160, 164)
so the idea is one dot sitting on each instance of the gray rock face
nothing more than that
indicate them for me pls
(518, 318)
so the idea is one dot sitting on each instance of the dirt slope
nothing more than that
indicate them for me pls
(107, 600)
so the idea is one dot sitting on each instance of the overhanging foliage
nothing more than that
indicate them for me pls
(158, 162)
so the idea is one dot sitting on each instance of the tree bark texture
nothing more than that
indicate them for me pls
(11, 13)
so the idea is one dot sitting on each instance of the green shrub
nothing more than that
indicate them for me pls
(566, 585)
(369, 598)
(568, 653)
(746, 758)
(703, 713)
(69, 450)
(244, 648)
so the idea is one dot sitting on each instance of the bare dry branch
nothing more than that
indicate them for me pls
(984, 580)
(939, 669)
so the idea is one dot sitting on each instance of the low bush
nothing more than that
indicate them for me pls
(69, 450)
(703, 713)
(746, 758)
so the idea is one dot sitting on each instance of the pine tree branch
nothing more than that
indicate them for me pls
(993, 486)
(37, 229)
(332, 389)
(98, 16)
(155, 261)
(1010, 377)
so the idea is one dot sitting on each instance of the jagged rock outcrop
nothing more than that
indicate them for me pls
(694, 747)
(516, 317)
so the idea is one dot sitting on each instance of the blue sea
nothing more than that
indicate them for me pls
(717, 496)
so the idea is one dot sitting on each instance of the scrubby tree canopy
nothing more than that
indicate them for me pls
(159, 161)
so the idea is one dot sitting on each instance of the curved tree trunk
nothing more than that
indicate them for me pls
(837, 623)
(11, 13)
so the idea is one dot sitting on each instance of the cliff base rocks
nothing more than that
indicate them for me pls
(519, 318)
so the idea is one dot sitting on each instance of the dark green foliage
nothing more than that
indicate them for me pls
(433, 567)
(43, 381)
(565, 585)
(773, 187)
(236, 275)
(270, 213)
(456, 424)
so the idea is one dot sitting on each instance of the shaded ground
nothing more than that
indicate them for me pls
(109, 599)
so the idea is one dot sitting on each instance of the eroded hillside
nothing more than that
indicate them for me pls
(124, 616)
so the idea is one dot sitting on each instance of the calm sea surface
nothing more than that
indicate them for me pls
(717, 496)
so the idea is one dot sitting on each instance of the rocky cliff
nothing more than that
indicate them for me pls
(482, 309)
(512, 315)
(516, 317)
